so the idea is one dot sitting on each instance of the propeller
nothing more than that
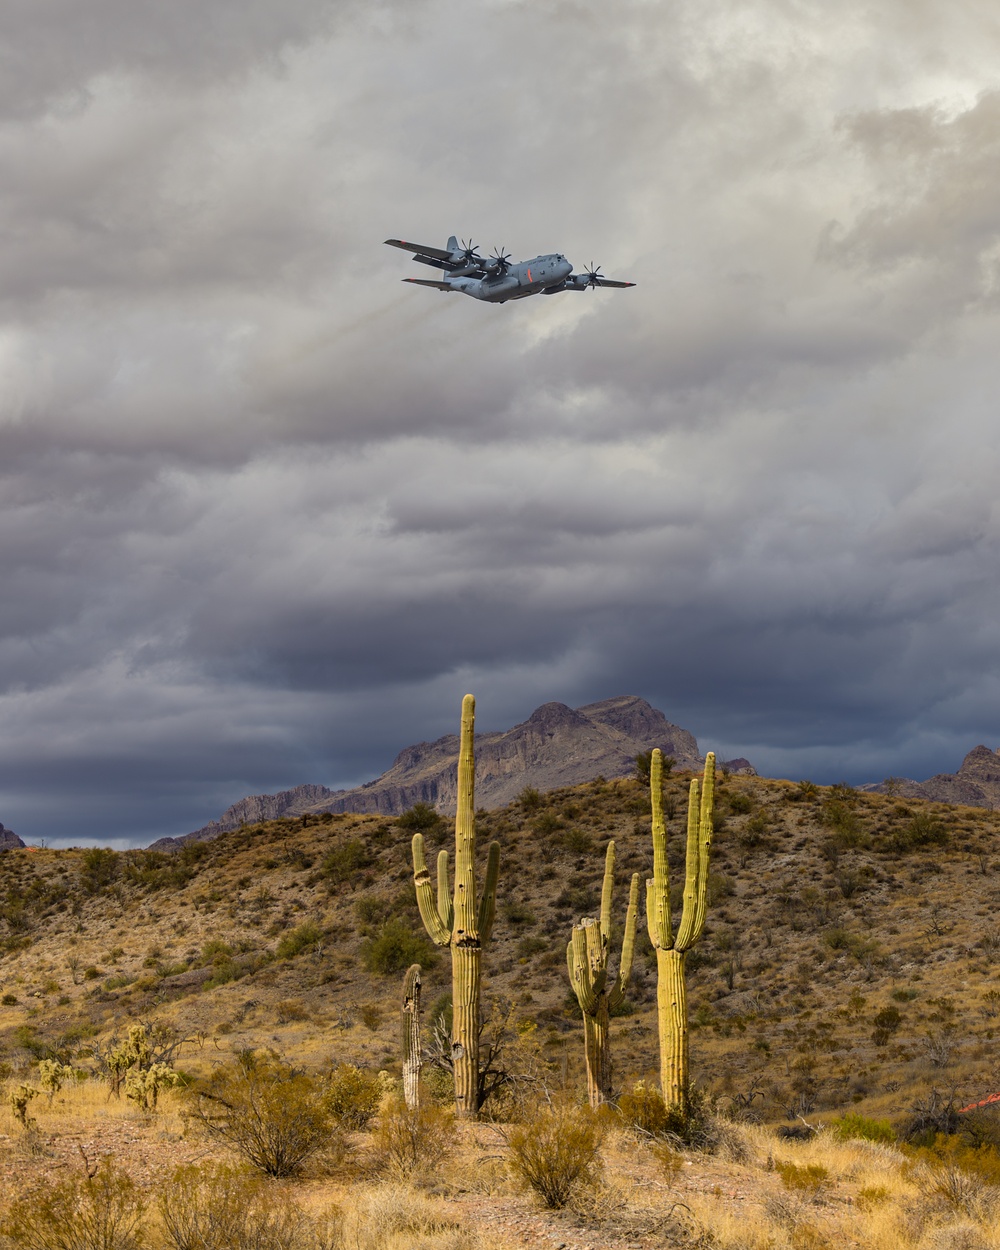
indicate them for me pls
(469, 254)
(501, 260)
(594, 275)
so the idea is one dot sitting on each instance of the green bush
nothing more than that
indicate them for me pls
(353, 1094)
(922, 831)
(420, 818)
(100, 868)
(343, 862)
(852, 1125)
(394, 948)
(299, 939)
(556, 1152)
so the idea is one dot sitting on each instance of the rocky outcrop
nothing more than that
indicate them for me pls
(556, 746)
(251, 811)
(976, 784)
(9, 841)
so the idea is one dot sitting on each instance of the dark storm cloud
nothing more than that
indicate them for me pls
(267, 514)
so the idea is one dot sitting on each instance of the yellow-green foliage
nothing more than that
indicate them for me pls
(556, 1151)
(265, 1110)
(101, 1212)
(410, 1140)
(352, 1095)
(217, 1207)
(809, 1178)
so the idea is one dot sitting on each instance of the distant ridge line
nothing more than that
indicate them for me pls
(556, 746)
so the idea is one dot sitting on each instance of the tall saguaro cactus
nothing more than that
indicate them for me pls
(671, 947)
(411, 1037)
(460, 922)
(587, 960)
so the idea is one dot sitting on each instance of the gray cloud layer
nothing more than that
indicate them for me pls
(266, 513)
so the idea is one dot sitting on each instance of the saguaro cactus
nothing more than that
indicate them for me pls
(671, 947)
(587, 960)
(460, 923)
(411, 1037)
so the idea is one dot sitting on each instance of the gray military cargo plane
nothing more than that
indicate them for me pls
(495, 279)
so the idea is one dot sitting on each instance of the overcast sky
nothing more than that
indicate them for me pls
(266, 514)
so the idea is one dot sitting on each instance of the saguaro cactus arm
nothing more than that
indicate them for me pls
(430, 912)
(699, 846)
(607, 889)
(616, 995)
(445, 908)
(488, 902)
(658, 888)
(586, 973)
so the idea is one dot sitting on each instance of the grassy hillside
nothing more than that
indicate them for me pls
(849, 958)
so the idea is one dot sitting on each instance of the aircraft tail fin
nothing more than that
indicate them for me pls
(453, 244)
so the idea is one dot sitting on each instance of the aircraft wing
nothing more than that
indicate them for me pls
(580, 282)
(441, 286)
(418, 249)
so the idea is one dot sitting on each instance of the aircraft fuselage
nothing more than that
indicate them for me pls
(527, 277)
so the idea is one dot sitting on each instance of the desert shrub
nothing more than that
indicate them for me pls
(391, 1216)
(740, 803)
(886, 1022)
(407, 1140)
(216, 951)
(299, 939)
(420, 818)
(847, 830)
(555, 1152)
(9, 999)
(642, 1107)
(852, 1125)
(265, 1110)
(100, 868)
(100, 1212)
(530, 799)
(215, 1207)
(342, 862)
(807, 1179)
(921, 831)
(395, 947)
(352, 1095)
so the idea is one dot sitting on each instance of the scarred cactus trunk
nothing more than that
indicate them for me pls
(671, 948)
(411, 1037)
(460, 922)
(587, 962)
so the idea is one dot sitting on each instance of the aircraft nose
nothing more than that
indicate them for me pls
(566, 268)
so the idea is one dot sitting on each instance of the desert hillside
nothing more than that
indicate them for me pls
(846, 978)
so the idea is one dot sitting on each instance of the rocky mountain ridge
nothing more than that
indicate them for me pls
(9, 841)
(975, 784)
(556, 746)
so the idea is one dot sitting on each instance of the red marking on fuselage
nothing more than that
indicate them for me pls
(529, 275)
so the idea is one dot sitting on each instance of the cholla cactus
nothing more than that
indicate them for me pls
(458, 922)
(143, 1085)
(672, 947)
(20, 1099)
(587, 960)
(52, 1075)
(411, 1037)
